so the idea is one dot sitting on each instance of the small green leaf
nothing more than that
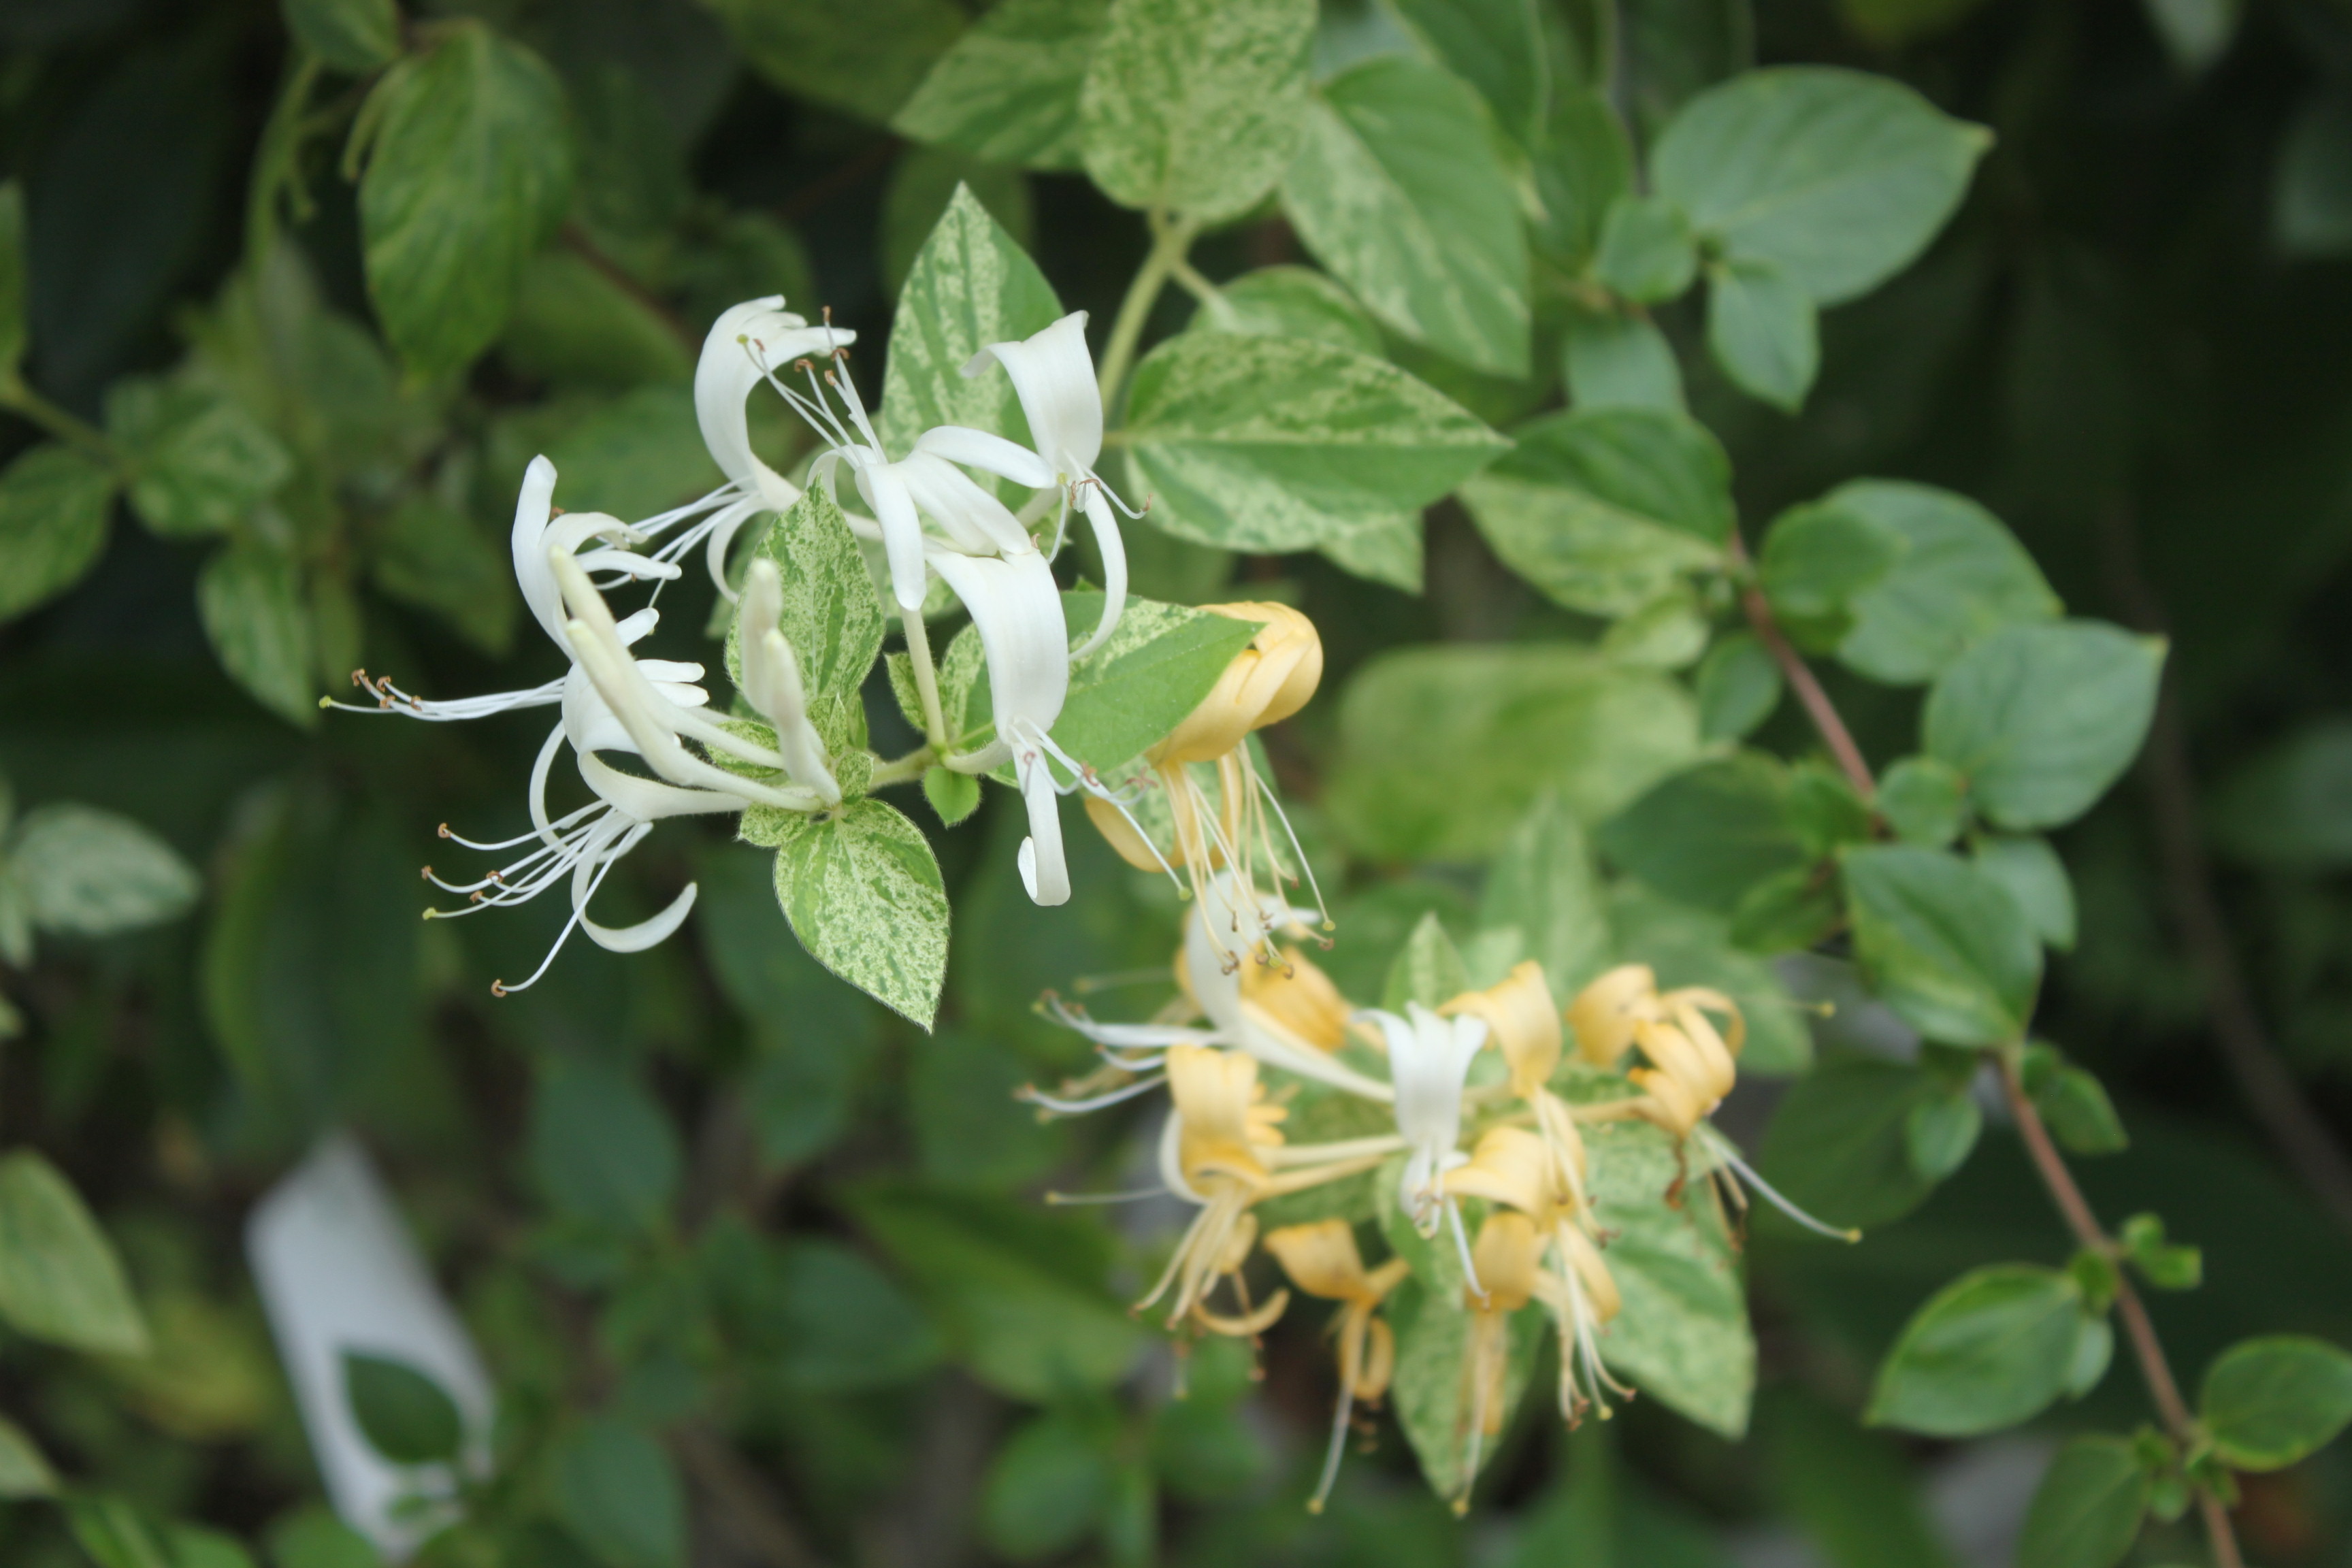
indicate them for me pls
(60, 1278)
(952, 794)
(1046, 1488)
(1787, 911)
(1923, 801)
(53, 512)
(1615, 360)
(1940, 1132)
(2043, 718)
(192, 1546)
(1992, 1349)
(864, 895)
(1386, 550)
(2086, 1512)
(1008, 89)
(1399, 190)
(25, 1473)
(14, 335)
(1945, 946)
(863, 57)
(600, 1149)
(1606, 510)
(1193, 108)
(2036, 878)
(1840, 1144)
(469, 172)
(405, 1415)
(116, 1532)
(2163, 1265)
(1816, 558)
(354, 36)
(1738, 687)
(2268, 1402)
(577, 325)
(86, 872)
(831, 616)
(1837, 177)
(1274, 444)
(311, 1536)
(1824, 809)
(1427, 970)
(261, 626)
(972, 285)
(1647, 254)
(1760, 327)
(615, 1490)
(1288, 302)
(2080, 1114)
(1707, 834)
(1542, 885)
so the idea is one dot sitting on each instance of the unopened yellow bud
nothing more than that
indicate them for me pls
(1266, 682)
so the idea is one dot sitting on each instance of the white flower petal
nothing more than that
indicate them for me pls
(993, 454)
(1053, 375)
(746, 342)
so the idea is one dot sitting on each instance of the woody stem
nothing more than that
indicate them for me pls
(1800, 676)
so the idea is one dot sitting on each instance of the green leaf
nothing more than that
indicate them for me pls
(2043, 718)
(60, 1278)
(1760, 327)
(354, 36)
(863, 57)
(1669, 50)
(261, 626)
(14, 332)
(1620, 361)
(1398, 190)
(864, 895)
(1428, 968)
(201, 463)
(1607, 509)
(1683, 1337)
(1046, 1488)
(2086, 1512)
(1275, 444)
(192, 1546)
(1707, 834)
(86, 872)
(1924, 800)
(1839, 1143)
(972, 285)
(1158, 664)
(1668, 633)
(2269, 1403)
(405, 1415)
(311, 1536)
(429, 554)
(1386, 550)
(1647, 254)
(1008, 89)
(116, 1533)
(574, 324)
(1824, 809)
(1836, 177)
(1288, 302)
(639, 453)
(2311, 206)
(53, 512)
(1942, 944)
(1496, 46)
(618, 1494)
(469, 172)
(2081, 1116)
(600, 1149)
(2284, 807)
(831, 616)
(814, 1313)
(952, 794)
(1939, 1133)
(922, 183)
(1991, 1350)
(1018, 1291)
(1816, 559)
(1441, 749)
(23, 1471)
(2164, 1266)
(1542, 886)
(1738, 686)
(1787, 911)
(1581, 165)
(1193, 108)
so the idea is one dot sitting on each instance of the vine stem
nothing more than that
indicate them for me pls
(1801, 678)
(1171, 239)
(905, 769)
(2164, 1392)
(20, 399)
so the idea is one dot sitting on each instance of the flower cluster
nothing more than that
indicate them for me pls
(930, 520)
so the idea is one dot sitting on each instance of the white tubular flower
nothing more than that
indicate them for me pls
(772, 682)
(1053, 375)
(1018, 610)
(1428, 1059)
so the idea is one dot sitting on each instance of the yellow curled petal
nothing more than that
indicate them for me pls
(1291, 666)
(1604, 1012)
(1592, 1271)
(1734, 1029)
(1522, 1021)
(1215, 1092)
(1711, 1047)
(1510, 1166)
(1675, 1053)
(1667, 1102)
(1379, 1361)
(1247, 1325)
(1508, 1255)
(1298, 1000)
(1321, 1258)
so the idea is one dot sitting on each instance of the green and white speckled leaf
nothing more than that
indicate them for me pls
(1428, 969)
(864, 56)
(1433, 1326)
(971, 286)
(1008, 91)
(93, 873)
(1194, 107)
(1275, 444)
(864, 895)
(1683, 1338)
(1398, 190)
(831, 616)
(1384, 550)
(1288, 302)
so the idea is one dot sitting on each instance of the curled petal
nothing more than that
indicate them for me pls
(1053, 375)
(993, 454)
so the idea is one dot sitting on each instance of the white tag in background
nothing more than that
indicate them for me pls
(339, 1272)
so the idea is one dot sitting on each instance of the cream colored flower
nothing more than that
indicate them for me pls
(1321, 1259)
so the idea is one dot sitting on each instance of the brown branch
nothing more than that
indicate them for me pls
(1801, 678)
(575, 239)
(837, 179)
(2270, 1091)
(743, 1496)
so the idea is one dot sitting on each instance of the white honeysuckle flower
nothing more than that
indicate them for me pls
(1053, 375)
(1429, 1059)
(771, 681)
(1018, 610)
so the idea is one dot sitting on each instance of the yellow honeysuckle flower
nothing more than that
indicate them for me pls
(1321, 1259)
(1290, 994)
(1523, 1023)
(1509, 1256)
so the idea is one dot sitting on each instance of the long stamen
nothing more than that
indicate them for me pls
(1715, 1143)
(1038, 1097)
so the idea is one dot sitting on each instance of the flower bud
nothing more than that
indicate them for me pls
(1266, 682)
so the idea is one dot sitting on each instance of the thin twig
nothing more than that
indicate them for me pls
(575, 239)
(2270, 1091)
(837, 179)
(1801, 678)
(744, 1497)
